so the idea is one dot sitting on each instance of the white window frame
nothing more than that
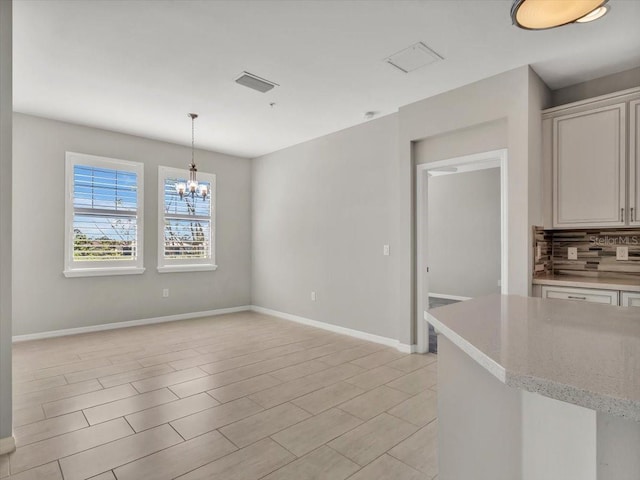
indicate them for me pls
(73, 268)
(170, 265)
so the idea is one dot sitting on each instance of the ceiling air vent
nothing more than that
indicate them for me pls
(413, 57)
(253, 81)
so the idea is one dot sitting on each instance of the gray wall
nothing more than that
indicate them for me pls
(322, 210)
(464, 233)
(5, 217)
(321, 215)
(45, 300)
(517, 97)
(484, 137)
(599, 86)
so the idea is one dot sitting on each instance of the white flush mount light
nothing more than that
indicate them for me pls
(545, 14)
(413, 57)
(595, 15)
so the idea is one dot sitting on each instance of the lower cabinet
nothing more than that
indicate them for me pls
(608, 297)
(630, 299)
(592, 295)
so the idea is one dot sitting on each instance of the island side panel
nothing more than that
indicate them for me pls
(479, 420)
(618, 448)
(559, 440)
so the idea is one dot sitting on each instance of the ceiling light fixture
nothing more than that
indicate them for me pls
(544, 14)
(191, 187)
(596, 14)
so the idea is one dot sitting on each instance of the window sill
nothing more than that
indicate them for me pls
(187, 268)
(103, 272)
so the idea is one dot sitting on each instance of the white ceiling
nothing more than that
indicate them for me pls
(140, 66)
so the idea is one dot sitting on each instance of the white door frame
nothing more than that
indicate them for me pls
(494, 158)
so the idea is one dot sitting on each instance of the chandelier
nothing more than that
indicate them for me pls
(192, 187)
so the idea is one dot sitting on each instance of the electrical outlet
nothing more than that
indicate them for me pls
(385, 250)
(165, 293)
(313, 296)
(622, 253)
(572, 253)
(538, 252)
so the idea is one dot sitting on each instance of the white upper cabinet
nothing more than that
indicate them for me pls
(634, 162)
(593, 151)
(589, 158)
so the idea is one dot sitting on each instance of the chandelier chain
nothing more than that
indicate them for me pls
(192, 140)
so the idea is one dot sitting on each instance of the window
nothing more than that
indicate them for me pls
(103, 216)
(186, 237)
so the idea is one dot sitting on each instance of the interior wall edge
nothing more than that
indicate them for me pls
(6, 248)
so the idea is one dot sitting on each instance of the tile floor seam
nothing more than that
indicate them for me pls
(59, 469)
(71, 396)
(406, 421)
(326, 442)
(411, 395)
(224, 436)
(294, 459)
(388, 452)
(57, 436)
(174, 429)
(143, 456)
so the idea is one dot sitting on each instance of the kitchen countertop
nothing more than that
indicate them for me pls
(584, 354)
(589, 282)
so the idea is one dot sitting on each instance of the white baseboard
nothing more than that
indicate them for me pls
(449, 297)
(390, 342)
(7, 445)
(131, 323)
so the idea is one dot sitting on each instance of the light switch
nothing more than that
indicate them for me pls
(622, 253)
(385, 250)
(313, 296)
(572, 253)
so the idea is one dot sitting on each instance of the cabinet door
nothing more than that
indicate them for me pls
(589, 174)
(630, 299)
(634, 162)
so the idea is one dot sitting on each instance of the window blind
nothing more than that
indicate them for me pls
(187, 223)
(105, 211)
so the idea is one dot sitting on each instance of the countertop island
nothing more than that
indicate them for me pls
(533, 388)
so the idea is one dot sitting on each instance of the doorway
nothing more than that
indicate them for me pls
(461, 229)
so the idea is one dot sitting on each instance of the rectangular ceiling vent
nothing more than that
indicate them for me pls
(413, 57)
(255, 82)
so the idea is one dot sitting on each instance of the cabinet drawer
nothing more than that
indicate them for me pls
(609, 297)
(630, 299)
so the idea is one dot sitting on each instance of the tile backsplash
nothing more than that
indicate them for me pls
(596, 247)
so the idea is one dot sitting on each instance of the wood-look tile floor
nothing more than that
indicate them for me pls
(243, 396)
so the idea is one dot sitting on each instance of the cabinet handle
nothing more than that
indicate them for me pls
(622, 214)
(632, 215)
(577, 298)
